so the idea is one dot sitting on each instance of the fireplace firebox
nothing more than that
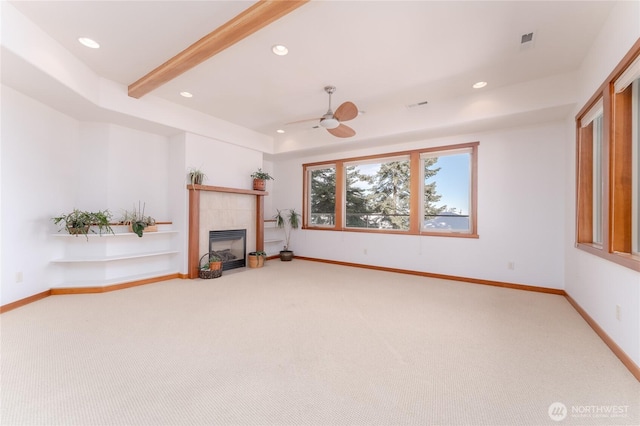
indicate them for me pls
(231, 246)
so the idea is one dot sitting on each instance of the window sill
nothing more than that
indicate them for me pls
(627, 260)
(393, 232)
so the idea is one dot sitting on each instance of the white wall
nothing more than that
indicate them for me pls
(224, 164)
(595, 284)
(38, 182)
(53, 163)
(520, 210)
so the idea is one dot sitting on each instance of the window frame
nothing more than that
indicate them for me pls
(617, 163)
(416, 192)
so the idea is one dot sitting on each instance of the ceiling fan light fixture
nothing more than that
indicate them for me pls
(329, 123)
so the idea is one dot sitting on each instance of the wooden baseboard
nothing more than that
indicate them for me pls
(514, 286)
(18, 303)
(617, 350)
(105, 289)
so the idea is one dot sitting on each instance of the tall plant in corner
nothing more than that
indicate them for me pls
(287, 220)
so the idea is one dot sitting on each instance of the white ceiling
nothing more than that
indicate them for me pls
(381, 55)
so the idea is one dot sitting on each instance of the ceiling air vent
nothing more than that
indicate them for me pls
(417, 104)
(527, 41)
(526, 38)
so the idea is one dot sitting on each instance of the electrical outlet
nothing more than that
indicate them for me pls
(511, 265)
(19, 277)
(365, 251)
(618, 313)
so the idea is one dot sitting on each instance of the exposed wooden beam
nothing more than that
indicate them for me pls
(246, 23)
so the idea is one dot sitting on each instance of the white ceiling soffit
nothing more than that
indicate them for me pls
(381, 55)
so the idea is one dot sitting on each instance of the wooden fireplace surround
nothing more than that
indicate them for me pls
(194, 220)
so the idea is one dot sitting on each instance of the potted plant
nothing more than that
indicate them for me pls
(210, 266)
(196, 176)
(215, 262)
(137, 221)
(256, 259)
(288, 220)
(260, 179)
(80, 222)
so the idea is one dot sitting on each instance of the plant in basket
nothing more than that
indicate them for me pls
(80, 222)
(210, 266)
(256, 259)
(195, 176)
(260, 179)
(137, 221)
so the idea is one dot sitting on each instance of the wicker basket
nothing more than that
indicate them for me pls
(206, 274)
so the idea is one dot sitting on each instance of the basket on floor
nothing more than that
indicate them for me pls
(206, 274)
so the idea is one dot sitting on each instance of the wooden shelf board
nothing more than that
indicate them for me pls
(225, 189)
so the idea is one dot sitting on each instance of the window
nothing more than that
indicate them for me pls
(322, 195)
(429, 191)
(624, 164)
(446, 190)
(590, 176)
(377, 193)
(608, 167)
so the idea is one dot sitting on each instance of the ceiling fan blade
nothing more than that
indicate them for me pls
(342, 131)
(347, 111)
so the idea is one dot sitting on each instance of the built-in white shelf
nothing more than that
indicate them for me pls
(117, 234)
(274, 241)
(272, 237)
(112, 258)
(107, 259)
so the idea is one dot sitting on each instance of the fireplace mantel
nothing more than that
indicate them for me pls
(194, 220)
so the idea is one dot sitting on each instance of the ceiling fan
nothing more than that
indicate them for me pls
(333, 121)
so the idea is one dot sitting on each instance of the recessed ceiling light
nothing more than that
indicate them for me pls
(279, 131)
(186, 94)
(89, 43)
(280, 49)
(480, 85)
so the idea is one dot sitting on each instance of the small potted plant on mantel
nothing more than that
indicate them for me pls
(287, 220)
(80, 222)
(260, 179)
(137, 221)
(196, 176)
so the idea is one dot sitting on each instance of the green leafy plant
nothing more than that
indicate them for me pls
(79, 222)
(205, 263)
(195, 176)
(287, 220)
(262, 175)
(137, 219)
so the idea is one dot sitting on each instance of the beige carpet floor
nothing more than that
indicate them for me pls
(306, 343)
